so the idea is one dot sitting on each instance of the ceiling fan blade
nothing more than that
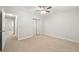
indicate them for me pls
(39, 6)
(48, 11)
(49, 7)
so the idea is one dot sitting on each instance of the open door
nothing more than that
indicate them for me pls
(2, 29)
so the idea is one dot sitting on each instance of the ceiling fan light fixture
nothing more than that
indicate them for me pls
(43, 12)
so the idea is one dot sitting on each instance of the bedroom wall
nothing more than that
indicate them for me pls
(63, 25)
(26, 26)
(24, 22)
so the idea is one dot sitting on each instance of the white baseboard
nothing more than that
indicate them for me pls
(29, 36)
(63, 38)
(22, 38)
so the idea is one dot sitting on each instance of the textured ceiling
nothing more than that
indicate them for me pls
(31, 9)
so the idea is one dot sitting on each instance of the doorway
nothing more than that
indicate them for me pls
(10, 21)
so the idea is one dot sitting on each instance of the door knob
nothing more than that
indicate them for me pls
(2, 31)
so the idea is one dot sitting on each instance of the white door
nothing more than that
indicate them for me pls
(3, 29)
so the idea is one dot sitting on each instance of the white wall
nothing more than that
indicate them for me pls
(26, 27)
(63, 25)
(24, 22)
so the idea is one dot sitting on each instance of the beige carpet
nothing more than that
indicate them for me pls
(41, 44)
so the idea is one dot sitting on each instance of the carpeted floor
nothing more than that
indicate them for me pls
(41, 44)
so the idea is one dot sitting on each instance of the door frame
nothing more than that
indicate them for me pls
(15, 22)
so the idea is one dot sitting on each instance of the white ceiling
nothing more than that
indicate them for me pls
(18, 8)
(30, 9)
(65, 8)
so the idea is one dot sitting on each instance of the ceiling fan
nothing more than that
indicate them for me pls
(44, 9)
